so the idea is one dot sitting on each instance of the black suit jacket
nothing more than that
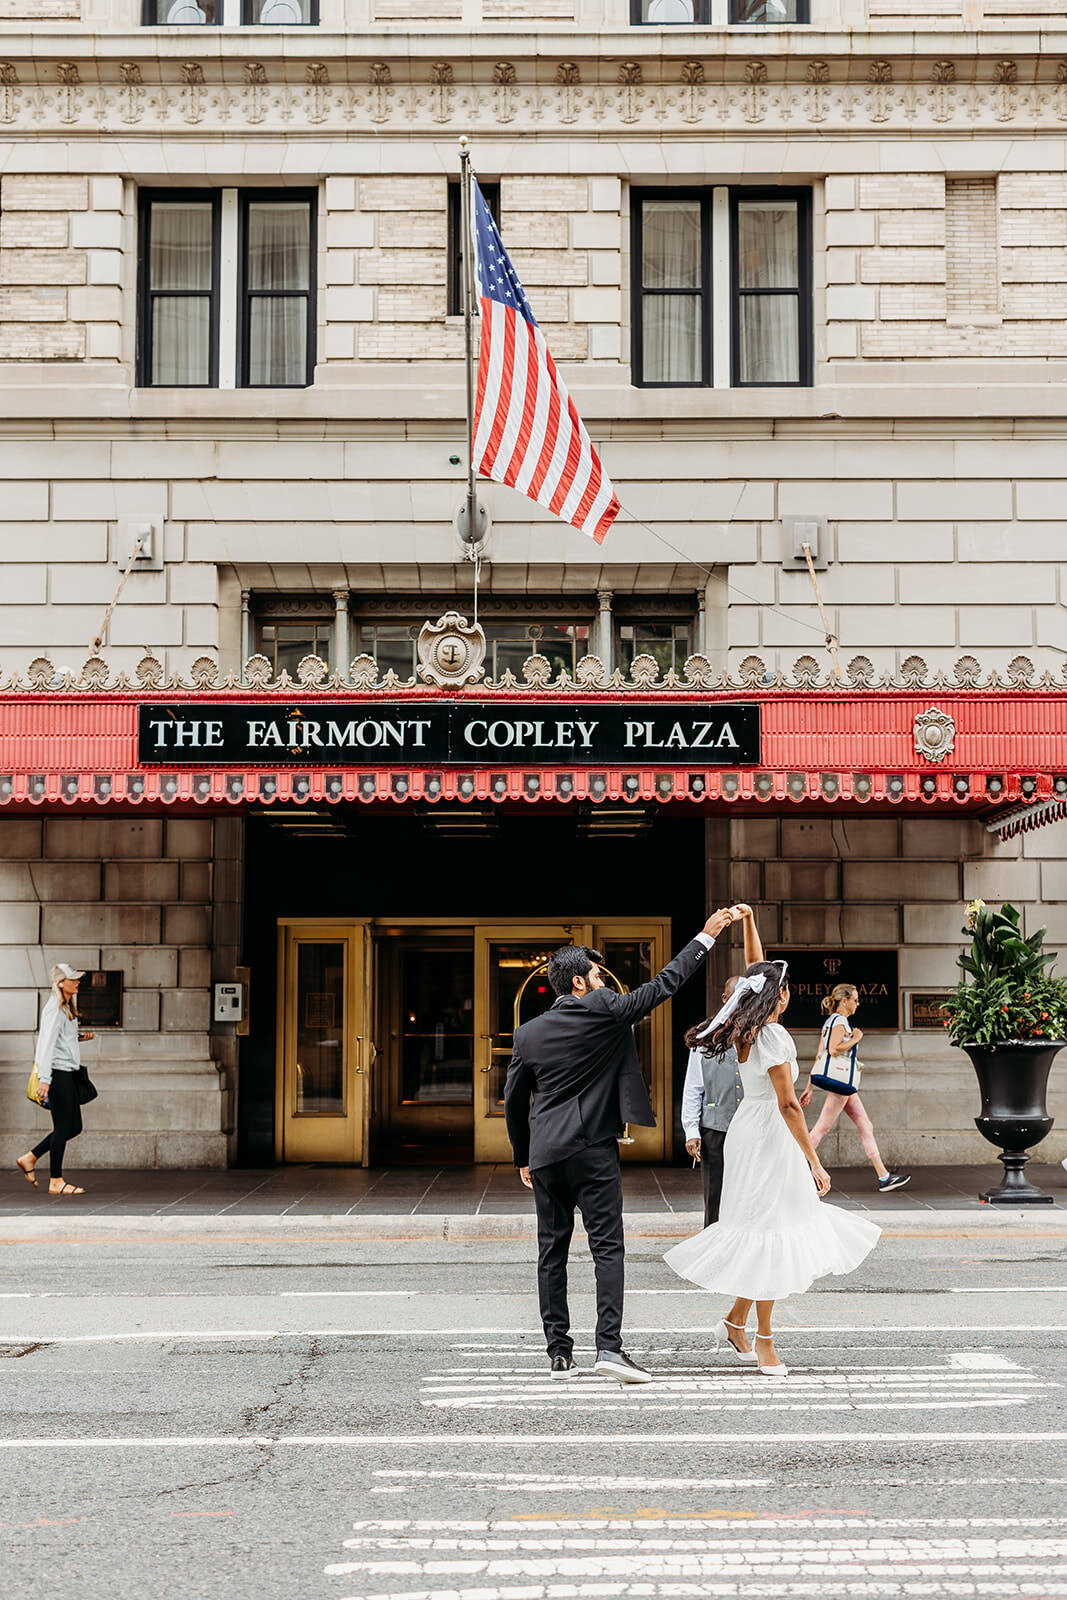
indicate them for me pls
(574, 1077)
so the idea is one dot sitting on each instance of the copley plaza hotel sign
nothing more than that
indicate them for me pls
(806, 738)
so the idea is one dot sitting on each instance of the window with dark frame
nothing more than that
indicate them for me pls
(773, 13)
(770, 230)
(669, 13)
(768, 323)
(181, 13)
(286, 628)
(276, 336)
(491, 191)
(672, 300)
(279, 13)
(208, 13)
(179, 289)
(690, 13)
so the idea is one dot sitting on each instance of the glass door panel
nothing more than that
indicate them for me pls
(512, 987)
(319, 1079)
(633, 953)
(324, 1048)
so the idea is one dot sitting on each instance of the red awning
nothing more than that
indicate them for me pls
(856, 745)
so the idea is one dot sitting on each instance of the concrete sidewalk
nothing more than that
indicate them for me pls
(470, 1201)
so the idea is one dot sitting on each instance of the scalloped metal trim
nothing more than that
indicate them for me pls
(591, 677)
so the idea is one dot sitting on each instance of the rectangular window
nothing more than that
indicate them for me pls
(682, 13)
(667, 642)
(229, 13)
(772, 12)
(227, 288)
(289, 627)
(279, 13)
(771, 231)
(675, 268)
(696, 325)
(277, 298)
(179, 269)
(664, 13)
(491, 191)
(181, 13)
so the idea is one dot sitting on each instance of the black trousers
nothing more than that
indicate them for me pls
(66, 1112)
(591, 1181)
(711, 1143)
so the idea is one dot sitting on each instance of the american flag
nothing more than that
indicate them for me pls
(527, 431)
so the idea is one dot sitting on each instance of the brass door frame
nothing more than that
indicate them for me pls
(363, 1010)
(324, 1137)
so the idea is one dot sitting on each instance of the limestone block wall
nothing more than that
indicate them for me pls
(61, 268)
(386, 265)
(940, 544)
(920, 267)
(850, 882)
(133, 895)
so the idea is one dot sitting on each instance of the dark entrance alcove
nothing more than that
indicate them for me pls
(524, 863)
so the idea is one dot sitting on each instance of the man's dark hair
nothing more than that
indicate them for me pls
(573, 961)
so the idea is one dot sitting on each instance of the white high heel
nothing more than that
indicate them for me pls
(779, 1371)
(720, 1335)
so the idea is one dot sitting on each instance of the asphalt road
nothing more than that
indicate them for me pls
(329, 1420)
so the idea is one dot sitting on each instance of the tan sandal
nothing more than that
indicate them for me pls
(29, 1173)
(68, 1188)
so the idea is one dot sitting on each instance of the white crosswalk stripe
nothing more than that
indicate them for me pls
(949, 1385)
(591, 1559)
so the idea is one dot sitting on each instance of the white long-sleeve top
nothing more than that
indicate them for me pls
(57, 1048)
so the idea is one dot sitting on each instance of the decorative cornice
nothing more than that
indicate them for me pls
(590, 677)
(643, 95)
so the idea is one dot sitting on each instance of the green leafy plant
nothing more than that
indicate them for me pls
(1008, 994)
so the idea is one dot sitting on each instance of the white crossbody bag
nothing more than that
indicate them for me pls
(838, 1074)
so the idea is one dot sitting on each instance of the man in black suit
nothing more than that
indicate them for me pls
(573, 1084)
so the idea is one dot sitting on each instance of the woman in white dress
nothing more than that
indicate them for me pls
(773, 1237)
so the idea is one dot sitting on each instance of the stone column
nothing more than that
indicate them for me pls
(340, 632)
(605, 648)
(246, 628)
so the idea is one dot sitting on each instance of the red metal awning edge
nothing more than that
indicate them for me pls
(1009, 745)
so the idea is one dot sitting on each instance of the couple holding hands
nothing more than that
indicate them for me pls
(575, 1081)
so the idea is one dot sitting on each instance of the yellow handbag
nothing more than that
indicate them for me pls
(33, 1087)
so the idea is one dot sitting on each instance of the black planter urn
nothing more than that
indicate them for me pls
(1013, 1078)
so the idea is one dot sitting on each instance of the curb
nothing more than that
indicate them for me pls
(1006, 1221)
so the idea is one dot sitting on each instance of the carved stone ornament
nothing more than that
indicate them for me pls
(451, 651)
(935, 734)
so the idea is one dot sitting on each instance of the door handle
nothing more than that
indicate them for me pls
(361, 1038)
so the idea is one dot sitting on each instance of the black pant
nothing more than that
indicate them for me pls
(591, 1181)
(66, 1112)
(711, 1143)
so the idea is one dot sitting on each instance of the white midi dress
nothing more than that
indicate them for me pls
(774, 1235)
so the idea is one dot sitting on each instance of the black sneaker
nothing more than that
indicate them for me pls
(617, 1364)
(563, 1367)
(894, 1180)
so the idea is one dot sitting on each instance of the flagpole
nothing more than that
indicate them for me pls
(472, 518)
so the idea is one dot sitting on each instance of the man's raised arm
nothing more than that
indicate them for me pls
(647, 996)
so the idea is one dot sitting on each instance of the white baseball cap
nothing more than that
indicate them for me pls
(63, 970)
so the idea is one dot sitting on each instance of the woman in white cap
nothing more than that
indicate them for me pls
(57, 1058)
(773, 1238)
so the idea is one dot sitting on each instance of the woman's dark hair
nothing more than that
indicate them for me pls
(740, 1029)
(573, 961)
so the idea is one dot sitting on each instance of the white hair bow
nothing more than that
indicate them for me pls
(744, 986)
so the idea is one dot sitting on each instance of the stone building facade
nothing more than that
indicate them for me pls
(912, 421)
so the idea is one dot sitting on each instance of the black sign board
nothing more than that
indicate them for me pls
(100, 1000)
(453, 733)
(926, 1010)
(814, 973)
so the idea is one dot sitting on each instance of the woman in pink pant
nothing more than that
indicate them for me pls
(840, 1038)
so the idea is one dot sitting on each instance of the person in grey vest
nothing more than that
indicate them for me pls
(712, 1090)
